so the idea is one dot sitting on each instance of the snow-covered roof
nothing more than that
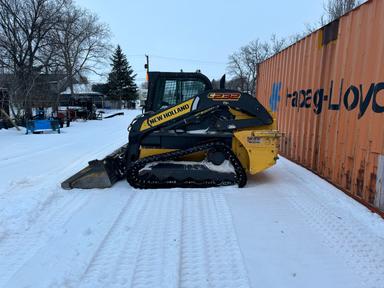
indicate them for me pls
(81, 89)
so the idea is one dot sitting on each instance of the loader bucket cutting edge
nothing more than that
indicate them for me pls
(98, 173)
(93, 176)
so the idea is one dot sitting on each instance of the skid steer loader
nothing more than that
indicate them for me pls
(189, 135)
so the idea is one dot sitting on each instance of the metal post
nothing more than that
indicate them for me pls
(146, 66)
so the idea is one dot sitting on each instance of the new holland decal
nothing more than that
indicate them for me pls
(224, 96)
(167, 115)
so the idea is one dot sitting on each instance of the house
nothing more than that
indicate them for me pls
(82, 95)
(43, 92)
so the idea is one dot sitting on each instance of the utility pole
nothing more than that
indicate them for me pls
(146, 66)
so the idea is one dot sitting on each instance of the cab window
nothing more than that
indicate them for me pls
(191, 88)
(172, 92)
(169, 93)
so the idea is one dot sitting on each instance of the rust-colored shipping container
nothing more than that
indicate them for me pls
(328, 92)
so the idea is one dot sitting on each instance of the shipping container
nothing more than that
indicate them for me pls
(328, 94)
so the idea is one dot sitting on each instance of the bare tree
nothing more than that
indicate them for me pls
(337, 8)
(43, 37)
(233, 83)
(24, 26)
(278, 44)
(79, 42)
(237, 69)
(333, 9)
(243, 64)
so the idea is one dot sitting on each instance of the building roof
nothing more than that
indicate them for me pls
(81, 89)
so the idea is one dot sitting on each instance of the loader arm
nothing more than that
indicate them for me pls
(192, 109)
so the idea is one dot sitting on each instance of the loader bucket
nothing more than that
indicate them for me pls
(99, 173)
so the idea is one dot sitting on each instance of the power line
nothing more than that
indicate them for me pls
(187, 59)
(135, 55)
(179, 59)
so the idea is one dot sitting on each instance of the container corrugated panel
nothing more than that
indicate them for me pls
(328, 92)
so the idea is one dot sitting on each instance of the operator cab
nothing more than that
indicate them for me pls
(170, 88)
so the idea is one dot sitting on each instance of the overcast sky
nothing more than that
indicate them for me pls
(198, 34)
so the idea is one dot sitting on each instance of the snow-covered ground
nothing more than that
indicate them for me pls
(286, 228)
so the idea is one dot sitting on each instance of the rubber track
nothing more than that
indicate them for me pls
(134, 179)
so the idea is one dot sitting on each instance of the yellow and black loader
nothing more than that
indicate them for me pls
(190, 135)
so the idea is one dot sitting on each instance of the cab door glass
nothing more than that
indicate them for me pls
(169, 94)
(176, 91)
(191, 88)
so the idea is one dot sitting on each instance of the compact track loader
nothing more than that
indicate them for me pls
(190, 135)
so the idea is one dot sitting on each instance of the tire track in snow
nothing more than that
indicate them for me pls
(174, 238)
(8, 197)
(61, 172)
(53, 211)
(353, 241)
(157, 264)
(64, 172)
(24, 232)
(210, 256)
(10, 158)
(347, 238)
(18, 248)
(69, 251)
(6, 161)
(120, 246)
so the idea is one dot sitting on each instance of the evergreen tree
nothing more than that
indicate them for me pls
(101, 88)
(121, 80)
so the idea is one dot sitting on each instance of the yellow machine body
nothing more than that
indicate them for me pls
(257, 148)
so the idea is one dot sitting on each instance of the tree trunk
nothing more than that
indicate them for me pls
(9, 119)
